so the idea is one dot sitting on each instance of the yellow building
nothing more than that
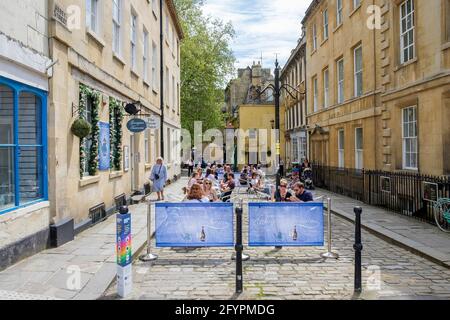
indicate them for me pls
(343, 81)
(293, 77)
(257, 123)
(111, 59)
(378, 84)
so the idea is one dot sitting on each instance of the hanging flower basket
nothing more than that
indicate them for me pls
(81, 128)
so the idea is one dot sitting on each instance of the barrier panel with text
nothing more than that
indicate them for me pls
(194, 225)
(286, 224)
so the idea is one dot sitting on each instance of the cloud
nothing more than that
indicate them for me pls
(263, 27)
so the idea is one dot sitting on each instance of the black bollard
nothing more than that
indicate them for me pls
(123, 210)
(239, 248)
(358, 248)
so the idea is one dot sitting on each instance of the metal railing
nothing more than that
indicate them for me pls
(410, 194)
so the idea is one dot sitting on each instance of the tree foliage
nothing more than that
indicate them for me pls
(206, 62)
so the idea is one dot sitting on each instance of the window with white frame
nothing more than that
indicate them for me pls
(92, 15)
(325, 24)
(178, 98)
(358, 67)
(410, 145)
(174, 94)
(315, 95)
(133, 40)
(341, 148)
(359, 149)
(295, 150)
(145, 56)
(340, 81)
(117, 20)
(407, 29)
(303, 146)
(314, 34)
(338, 12)
(155, 82)
(167, 88)
(326, 86)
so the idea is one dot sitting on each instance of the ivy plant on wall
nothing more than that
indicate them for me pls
(87, 93)
(115, 121)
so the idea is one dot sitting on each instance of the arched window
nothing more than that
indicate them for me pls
(23, 150)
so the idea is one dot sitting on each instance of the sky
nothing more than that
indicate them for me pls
(263, 27)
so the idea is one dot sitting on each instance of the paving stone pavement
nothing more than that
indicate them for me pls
(290, 273)
(49, 274)
(419, 237)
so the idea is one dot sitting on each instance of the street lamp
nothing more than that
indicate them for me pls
(277, 93)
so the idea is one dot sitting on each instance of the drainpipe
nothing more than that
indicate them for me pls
(161, 92)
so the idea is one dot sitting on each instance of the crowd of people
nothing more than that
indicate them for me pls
(216, 182)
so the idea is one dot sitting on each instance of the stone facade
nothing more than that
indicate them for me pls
(293, 76)
(378, 87)
(87, 56)
(24, 61)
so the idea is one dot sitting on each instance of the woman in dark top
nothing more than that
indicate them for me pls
(282, 195)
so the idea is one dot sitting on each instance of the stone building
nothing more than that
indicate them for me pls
(24, 71)
(106, 54)
(415, 99)
(250, 108)
(242, 90)
(379, 95)
(343, 81)
(293, 76)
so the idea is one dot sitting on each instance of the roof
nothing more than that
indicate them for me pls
(314, 4)
(301, 44)
(175, 18)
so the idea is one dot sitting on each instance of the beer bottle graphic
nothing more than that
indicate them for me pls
(203, 235)
(295, 234)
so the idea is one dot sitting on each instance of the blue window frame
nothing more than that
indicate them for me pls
(23, 145)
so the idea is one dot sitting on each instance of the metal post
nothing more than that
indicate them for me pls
(358, 248)
(245, 257)
(149, 256)
(329, 254)
(239, 248)
(277, 94)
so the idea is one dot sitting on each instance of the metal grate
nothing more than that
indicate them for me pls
(97, 213)
(120, 201)
(60, 15)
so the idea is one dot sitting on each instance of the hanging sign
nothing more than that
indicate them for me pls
(104, 158)
(136, 125)
(153, 122)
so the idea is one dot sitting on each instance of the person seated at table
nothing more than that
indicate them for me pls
(196, 194)
(254, 184)
(209, 191)
(243, 179)
(300, 194)
(209, 175)
(228, 188)
(191, 182)
(282, 194)
(200, 175)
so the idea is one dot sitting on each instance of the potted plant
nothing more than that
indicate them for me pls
(81, 128)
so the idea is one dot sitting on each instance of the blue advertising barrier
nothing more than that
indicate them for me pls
(286, 224)
(194, 225)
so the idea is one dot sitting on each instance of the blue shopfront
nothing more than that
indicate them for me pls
(23, 146)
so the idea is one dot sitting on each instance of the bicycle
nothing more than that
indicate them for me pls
(442, 214)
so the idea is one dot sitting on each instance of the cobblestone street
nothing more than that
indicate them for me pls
(291, 273)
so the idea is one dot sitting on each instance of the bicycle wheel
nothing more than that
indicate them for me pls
(442, 214)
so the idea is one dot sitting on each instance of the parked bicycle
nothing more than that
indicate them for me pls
(442, 214)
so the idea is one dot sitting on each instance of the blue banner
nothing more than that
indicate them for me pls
(286, 224)
(104, 158)
(194, 225)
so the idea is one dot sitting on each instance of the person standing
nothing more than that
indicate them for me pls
(190, 167)
(281, 168)
(159, 178)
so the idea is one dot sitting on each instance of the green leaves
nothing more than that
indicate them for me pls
(206, 61)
